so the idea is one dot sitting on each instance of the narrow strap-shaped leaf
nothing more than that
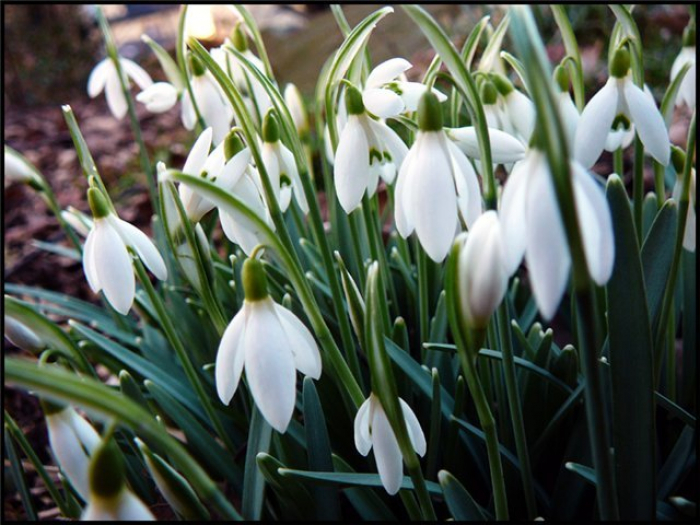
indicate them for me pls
(461, 504)
(17, 473)
(631, 363)
(585, 472)
(294, 498)
(354, 479)
(259, 438)
(318, 448)
(572, 50)
(365, 500)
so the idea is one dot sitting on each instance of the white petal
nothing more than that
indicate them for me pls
(69, 454)
(144, 247)
(351, 165)
(230, 357)
(98, 77)
(115, 97)
(468, 191)
(505, 148)
(136, 72)
(198, 154)
(85, 433)
(570, 117)
(113, 265)
(215, 111)
(411, 92)
(91, 273)
(595, 223)
(403, 212)
(386, 452)
(594, 124)
(415, 432)
(433, 198)
(521, 112)
(131, 508)
(272, 165)
(648, 122)
(187, 113)
(383, 103)
(363, 440)
(386, 72)
(269, 365)
(290, 164)
(159, 97)
(547, 251)
(513, 216)
(234, 169)
(307, 357)
(391, 142)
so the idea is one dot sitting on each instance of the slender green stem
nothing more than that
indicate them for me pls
(516, 413)
(659, 184)
(378, 254)
(409, 502)
(173, 338)
(618, 162)
(424, 324)
(638, 186)
(671, 357)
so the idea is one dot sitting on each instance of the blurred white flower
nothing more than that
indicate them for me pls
(686, 91)
(297, 108)
(158, 97)
(505, 148)
(20, 335)
(104, 76)
(689, 235)
(373, 430)
(16, 168)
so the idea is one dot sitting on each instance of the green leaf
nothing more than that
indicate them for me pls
(366, 502)
(490, 55)
(572, 50)
(631, 363)
(294, 498)
(318, 448)
(585, 472)
(669, 100)
(170, 67)
(253, 481)
(18, 476)
(679, 462)
(353, 479)
(461, 504)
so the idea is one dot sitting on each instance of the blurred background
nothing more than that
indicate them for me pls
(49, 51)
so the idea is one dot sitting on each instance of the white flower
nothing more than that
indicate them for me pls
(72, 440)
(123, 507)
(532, 226)
(505, 148)
(158, 97)
(20, 335)
(510, 110)
(622, 130)
(367, 149)
(689, 236)
(295, 104)
(482, 273)
(272, 343)
(620, 96)
(386, 94)
(106, 259)
(686, 91)
(436, 183)
(372, 429)
(16, 168)
(211, 103)
(104, 76)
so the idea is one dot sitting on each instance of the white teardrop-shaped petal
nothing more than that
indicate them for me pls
(187, 113)
(467, 185)
(594, 124)
(569, 117)
(215, 111)
(547, 251)
(91, 273)
(21, 335)
(71, 457)
(411, 92)
(403, 213)
(433, 198)
(386, 72)
(198, 154)
(363, 439)
(131, 508)
(269, 365)
(143, 246)
(272, 165)
(98, 77)
(595, 223)
(307, 357)
(234, 169)
(290, 164)
(521, 112)
(648, 122)
(136, 72)
(391, 142)
(230, 357)
(115, 97)
(159, 97)
(415, 432)
(512, 212)
(113, 265)
(351, 165)
(386, 452)
(505, 148)
(383, 103)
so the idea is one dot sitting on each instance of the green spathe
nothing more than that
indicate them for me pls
(271, 129)
(429, 113)
(232, 145)
(488, 93)
(254, 280)
(98, 203)
(503, 85)
(239, 38)
(620, 63)
(561, 77)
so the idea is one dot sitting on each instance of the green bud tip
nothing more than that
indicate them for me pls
(620, 63)
(689, 35)
(678, 158)
(429, 112)
(489, 93)
(98, 203)
(561, 77)
(254, 280)
(106, 471)
(503, 85)
(197, 66)
(239, 38)
(232, 145)
(271, 129)
(353, 100)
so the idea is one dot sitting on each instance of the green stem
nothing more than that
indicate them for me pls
(638, 186)
(618, 162)
(378, 254)
(174, 340)
(424, 324)
(659, 184)
(671, 358)
(516, 413)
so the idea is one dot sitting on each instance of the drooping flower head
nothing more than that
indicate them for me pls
(104, 77)
(436, 185)
(687, 55)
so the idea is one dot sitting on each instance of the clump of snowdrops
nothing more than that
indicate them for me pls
(475, 321)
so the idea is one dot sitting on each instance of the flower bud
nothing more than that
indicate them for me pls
(254, 280)
(98, 203)
(22, 336)
(502, 84)
(429, 112)
(561, 77)
(239, 38)
(489, 93)
(620, 63)
(18, 169)
(482, 276)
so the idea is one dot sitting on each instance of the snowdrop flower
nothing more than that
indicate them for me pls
(281, 166)
(494, 111)
(505, 148)
(436, 183)
(517, 107)
(104, 76)
(367, 149)
(158, 97)
(689, 236)
(297, 108)
(271, 343)
(567, 109)
(16, 168)
(620, 96)
(386, 94)
(687, 55)
(533, 227)
(372, 429)
(20, 335)
(482, 274)
(106, 258)
(73, 440)
(109, 497)
(211, 103)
